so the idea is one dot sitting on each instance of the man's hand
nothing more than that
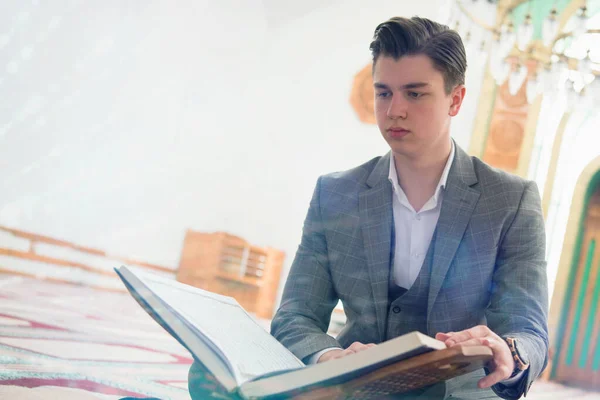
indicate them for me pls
(501, 366)
(338, 353)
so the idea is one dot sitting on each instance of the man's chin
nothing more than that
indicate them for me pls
(405, 148)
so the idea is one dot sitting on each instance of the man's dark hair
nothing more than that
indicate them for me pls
(399, 36)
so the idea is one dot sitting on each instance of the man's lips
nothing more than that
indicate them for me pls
(398, 132)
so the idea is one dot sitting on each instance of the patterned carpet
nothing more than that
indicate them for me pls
(71, 342)
(67, 342)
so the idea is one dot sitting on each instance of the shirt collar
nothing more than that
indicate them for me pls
(393, 176)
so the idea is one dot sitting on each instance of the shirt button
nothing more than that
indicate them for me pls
(396, 309)
(418, 217)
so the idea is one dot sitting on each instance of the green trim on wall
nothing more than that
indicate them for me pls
(564, 313)
(581, 300)
(596, 360)
(540, 9)
(589, 330)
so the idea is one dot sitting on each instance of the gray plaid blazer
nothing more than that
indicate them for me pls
(488, 262)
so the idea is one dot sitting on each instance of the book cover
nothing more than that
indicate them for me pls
(246, 360)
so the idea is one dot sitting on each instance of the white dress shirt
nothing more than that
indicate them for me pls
(414, 230)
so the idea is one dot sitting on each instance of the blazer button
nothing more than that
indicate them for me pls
(396, 309)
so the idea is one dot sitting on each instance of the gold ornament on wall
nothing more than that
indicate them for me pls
(504, 146)
(362, 96)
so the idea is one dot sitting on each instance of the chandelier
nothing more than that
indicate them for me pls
(526, 46)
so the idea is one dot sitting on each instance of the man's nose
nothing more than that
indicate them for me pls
(397, 108)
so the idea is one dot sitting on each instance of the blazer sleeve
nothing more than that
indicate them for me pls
(519, 301)
(309, 297)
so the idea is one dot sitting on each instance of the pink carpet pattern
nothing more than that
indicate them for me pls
(74, 342)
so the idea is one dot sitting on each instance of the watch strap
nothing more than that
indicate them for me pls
(520, 365)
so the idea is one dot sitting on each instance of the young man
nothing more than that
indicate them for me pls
(424, 238)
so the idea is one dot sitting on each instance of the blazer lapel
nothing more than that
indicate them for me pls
(376, 219)
(457, 207)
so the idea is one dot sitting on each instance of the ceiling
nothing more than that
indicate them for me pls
(279, 12)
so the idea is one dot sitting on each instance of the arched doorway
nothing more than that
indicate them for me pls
(577, 343)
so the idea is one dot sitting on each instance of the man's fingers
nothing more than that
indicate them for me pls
(503, 365)
(353, 348)
(502, 357)
(501, 373)
(358, 346)
(468, 334)
(329, 355)
(471, 342)
(343, 353)
(347, 352)
(497, 347)
(355, 345)
(338, 353)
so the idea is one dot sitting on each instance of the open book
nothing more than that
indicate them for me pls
(247, 361)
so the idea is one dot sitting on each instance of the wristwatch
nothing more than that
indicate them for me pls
(518, 354)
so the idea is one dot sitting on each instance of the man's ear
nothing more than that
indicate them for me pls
(457, 96)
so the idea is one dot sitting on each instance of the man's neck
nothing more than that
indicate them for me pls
(419, 177)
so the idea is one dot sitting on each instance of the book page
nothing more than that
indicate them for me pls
(250, 350)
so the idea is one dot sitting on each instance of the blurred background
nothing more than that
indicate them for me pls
(186, 137)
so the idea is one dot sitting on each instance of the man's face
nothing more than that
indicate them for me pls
(412, 108)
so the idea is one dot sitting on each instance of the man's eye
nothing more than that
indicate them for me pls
(414, 95)
(383, 94)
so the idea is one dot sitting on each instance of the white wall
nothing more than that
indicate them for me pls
(127, 124)
(137, 114)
